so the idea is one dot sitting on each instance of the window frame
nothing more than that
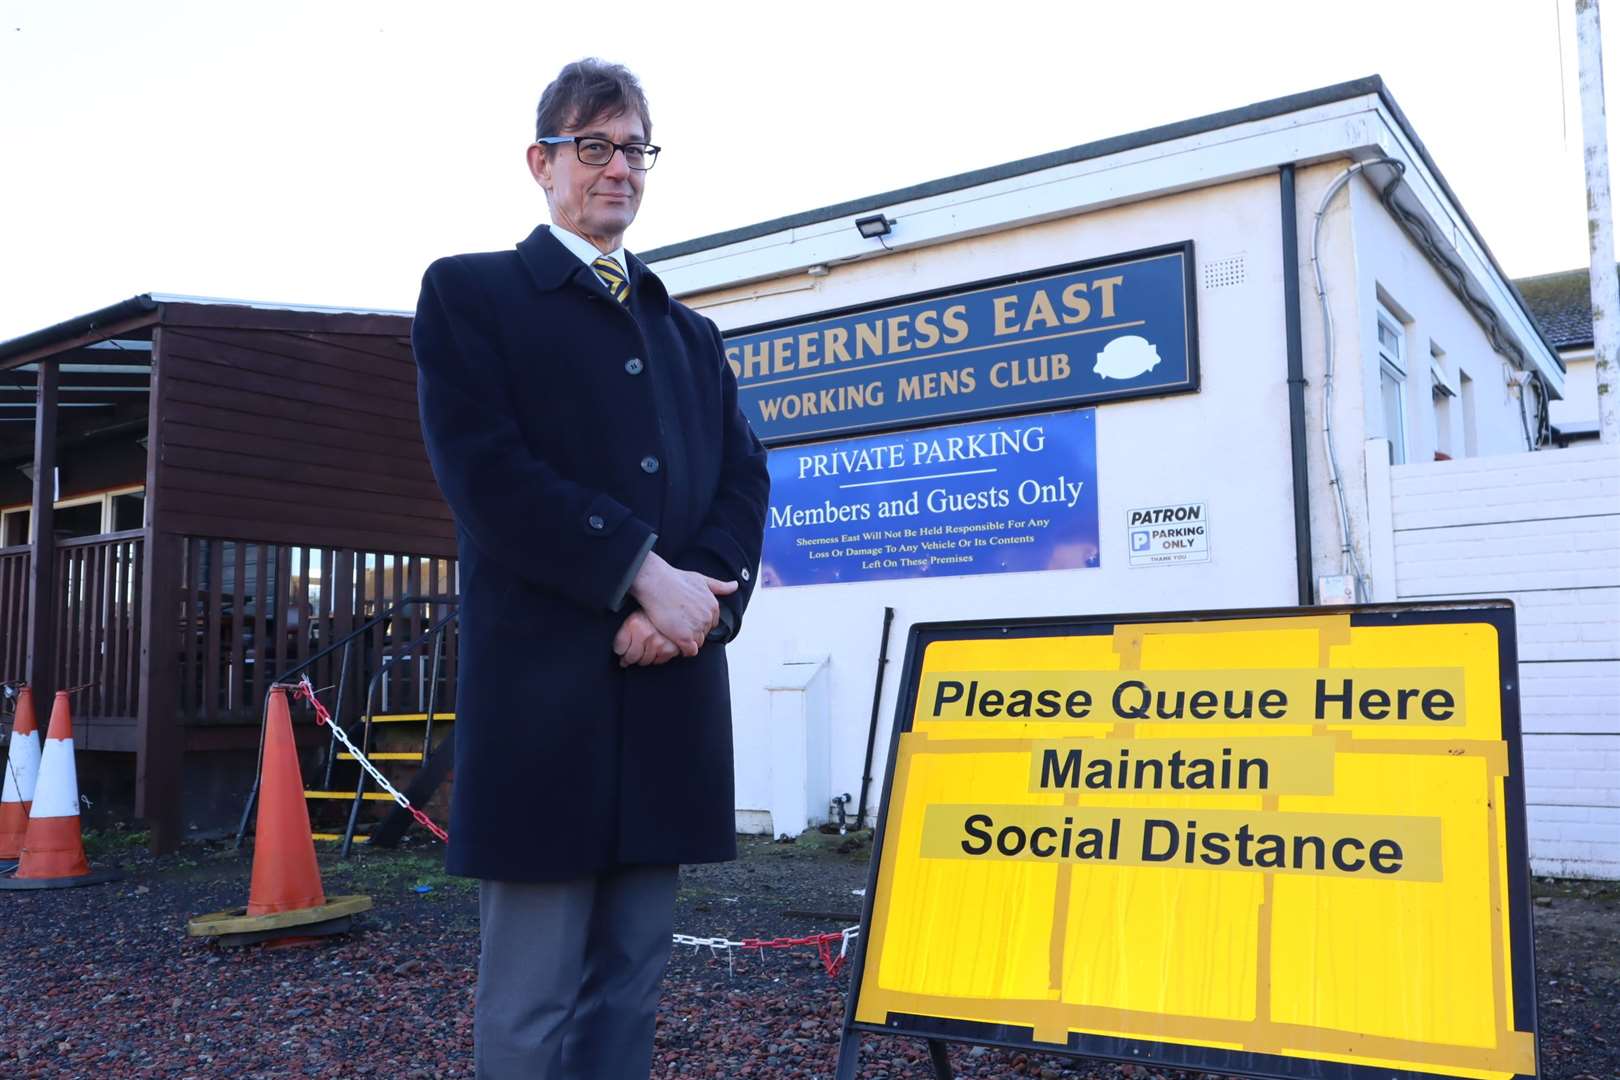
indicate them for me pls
(1393, 364)
(104, 498)
(1443, 393)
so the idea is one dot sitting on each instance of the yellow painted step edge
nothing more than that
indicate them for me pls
(387, 755)
(411, 718)
(338, 836)
(376, 796)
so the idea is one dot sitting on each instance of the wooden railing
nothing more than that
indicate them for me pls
(249, 611)
(99, 624)
(15, 563)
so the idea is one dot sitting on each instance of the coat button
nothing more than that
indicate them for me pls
(595, 521)
(633, 365)
(649, 464)
(745, 574)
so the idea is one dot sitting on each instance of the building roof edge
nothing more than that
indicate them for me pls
(1113, 144)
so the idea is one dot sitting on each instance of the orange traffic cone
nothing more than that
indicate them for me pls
(22, 773)
(53, 846)
(285, 874)
(285, 899)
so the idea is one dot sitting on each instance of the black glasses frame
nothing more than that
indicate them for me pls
(648, 149)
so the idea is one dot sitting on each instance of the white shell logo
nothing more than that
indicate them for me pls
(1127, 357)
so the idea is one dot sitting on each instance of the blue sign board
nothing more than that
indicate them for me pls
(981, 498)
(1123, 327)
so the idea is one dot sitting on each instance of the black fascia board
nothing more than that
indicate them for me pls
(78, 326)
(1264, 110)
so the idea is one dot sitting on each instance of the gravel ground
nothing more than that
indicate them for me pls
(101, 982)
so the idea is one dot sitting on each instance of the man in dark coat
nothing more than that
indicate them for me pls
(610, 502)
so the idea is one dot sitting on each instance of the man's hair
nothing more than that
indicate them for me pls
(585, 90)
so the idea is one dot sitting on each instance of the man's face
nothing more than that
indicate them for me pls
(597, 202)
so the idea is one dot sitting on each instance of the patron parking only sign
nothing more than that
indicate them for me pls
(1165, 535)
(1278, 844)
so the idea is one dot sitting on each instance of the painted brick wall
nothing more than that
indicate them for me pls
(1544, 531)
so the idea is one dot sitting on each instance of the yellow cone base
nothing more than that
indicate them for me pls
(232, 926)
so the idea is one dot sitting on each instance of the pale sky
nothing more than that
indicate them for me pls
(325, 153)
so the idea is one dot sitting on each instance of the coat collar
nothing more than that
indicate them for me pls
(552, 266)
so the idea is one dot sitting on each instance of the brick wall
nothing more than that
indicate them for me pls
(1544, 531)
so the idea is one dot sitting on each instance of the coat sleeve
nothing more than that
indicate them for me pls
(521, 513)
(727, 544)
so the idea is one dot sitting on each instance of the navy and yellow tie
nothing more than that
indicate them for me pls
(613, 278)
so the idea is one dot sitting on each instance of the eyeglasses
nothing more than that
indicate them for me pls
(595, 151)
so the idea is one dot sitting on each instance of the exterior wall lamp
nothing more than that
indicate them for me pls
(874, 226)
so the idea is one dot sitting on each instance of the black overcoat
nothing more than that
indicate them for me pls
(567, 432)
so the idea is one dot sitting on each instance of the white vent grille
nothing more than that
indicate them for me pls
(1224, 272)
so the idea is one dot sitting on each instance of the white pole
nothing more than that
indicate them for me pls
(1600, 220)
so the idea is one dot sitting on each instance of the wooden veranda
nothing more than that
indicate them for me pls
(196, 495)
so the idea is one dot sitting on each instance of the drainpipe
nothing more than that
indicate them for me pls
(1296, 386)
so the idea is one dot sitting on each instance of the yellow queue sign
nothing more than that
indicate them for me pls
(1277, 844)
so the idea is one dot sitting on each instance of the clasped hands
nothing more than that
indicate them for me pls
(678, 609)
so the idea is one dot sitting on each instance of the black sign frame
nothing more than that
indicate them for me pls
(939, 1033)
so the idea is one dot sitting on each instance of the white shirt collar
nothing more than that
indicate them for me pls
(587, 251)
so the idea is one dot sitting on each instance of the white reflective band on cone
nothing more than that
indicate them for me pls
(21, 768)
(57, 794)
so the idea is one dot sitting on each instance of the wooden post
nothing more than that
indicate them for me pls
(158, 733)
(159, 739)
(41, 670)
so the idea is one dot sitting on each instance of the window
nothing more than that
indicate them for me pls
(1466, 396)
(1392, 382)
(79, 517)
(128, 511)
(14, 528)
(1443, 390)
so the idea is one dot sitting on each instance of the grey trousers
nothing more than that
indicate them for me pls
(568, 975)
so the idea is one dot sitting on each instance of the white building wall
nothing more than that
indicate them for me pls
(1227, 446)
(1543, 530)
(1369, 261)
(1391, 268)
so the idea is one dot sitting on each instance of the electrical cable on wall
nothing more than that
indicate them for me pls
(1348, 563)
(1455, 277)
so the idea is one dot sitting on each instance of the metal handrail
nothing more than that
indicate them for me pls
(404, 602)
(345, 643)
(436, 634)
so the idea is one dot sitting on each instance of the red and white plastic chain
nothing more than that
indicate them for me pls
(305, 692)
(822, 942)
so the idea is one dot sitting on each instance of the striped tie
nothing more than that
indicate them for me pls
(613, 278)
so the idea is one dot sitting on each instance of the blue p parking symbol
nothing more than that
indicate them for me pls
(1141, 539)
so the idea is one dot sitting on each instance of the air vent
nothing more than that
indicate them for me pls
(1224, 272)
